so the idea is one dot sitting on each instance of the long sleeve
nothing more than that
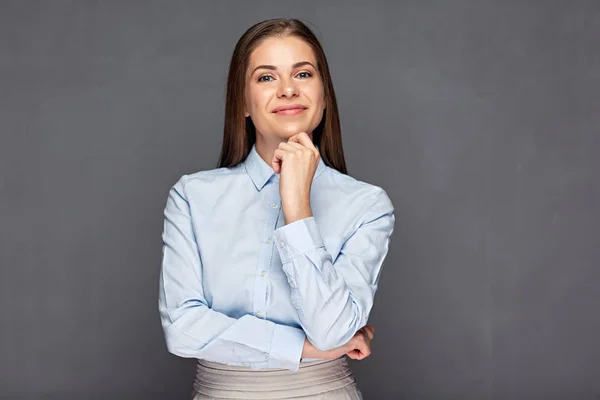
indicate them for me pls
(333, 298)
(191, 328)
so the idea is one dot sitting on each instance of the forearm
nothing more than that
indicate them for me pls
(194, 330)
(199, 332)
(328, 311)
(310, 351)
(333, 290)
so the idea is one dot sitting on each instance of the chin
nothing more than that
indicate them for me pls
(289, 131)
(293, 129)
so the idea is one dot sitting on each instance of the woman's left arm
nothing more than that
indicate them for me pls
(333, 298)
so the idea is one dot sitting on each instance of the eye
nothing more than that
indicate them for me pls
(260, 78)
(305, 75)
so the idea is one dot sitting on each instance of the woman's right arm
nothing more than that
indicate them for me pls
(191, 328)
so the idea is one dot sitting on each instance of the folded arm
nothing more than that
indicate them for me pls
(333, 298)
(191, 328)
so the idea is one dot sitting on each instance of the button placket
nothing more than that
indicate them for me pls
(261, 292)
(261, 285)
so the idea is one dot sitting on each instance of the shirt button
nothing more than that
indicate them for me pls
(274, 205)
(293, 285)
(269, 240)
(281, 244)
(263, 273)
(260, 315)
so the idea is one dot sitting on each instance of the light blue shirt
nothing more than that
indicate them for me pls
(239, 287)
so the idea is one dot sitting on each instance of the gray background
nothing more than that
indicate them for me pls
(480, 119)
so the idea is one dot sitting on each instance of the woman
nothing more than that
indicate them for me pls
(271, 261)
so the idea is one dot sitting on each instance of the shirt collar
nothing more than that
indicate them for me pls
(260, 172)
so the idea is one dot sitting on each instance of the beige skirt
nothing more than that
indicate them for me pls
(315, 380)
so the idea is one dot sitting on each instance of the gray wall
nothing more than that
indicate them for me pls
(481, 119)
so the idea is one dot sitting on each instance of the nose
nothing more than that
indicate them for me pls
(287, 88)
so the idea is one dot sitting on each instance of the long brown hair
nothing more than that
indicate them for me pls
(239, 133)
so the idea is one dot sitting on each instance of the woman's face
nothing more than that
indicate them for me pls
(282, 73)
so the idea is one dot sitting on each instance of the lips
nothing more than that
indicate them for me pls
(291, 109)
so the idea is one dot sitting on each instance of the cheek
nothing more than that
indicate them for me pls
(317, 94)
(259, 100)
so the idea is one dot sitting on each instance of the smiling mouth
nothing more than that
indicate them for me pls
(290, 111)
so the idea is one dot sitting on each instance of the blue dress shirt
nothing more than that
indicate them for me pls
(239, 287)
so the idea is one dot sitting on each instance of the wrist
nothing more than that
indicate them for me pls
(308, 350)
(293, 214)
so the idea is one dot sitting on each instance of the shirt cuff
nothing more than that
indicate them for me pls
(297, 238)
(286, 347)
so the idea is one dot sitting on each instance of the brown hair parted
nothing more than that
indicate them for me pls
(239, 133)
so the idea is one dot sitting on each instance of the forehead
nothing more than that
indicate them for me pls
(281, 52)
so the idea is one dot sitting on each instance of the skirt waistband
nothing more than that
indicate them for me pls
(313, 377)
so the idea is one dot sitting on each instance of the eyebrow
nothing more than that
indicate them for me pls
(274, 68)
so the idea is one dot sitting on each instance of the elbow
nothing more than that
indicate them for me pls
(175, 330)
(178, 343)
(176, 348)
(329, 336)
(173, 336)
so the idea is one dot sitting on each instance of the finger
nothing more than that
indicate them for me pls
(361, 355)
(355, 354)
(371, 331)
(368, 340)
(293, 147)
(363, 343)
(304, 140)
(277, 159)
(296, 145)
(366, 351)
(367, 332)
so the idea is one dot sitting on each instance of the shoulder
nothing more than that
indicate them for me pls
(352, 190)
(198, 180)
